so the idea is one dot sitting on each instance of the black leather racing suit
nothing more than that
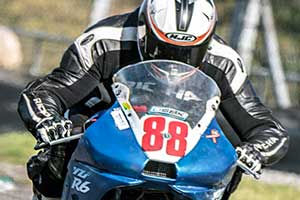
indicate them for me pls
(84, 77)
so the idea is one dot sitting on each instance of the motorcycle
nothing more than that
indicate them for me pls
(159, 140)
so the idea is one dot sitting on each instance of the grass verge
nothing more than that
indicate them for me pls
(250, 189)
(16, 148)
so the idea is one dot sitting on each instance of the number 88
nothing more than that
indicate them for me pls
(153, 137)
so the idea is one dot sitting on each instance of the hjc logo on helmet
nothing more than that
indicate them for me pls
(180, 37)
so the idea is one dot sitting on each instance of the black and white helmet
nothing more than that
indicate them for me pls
(176, 29)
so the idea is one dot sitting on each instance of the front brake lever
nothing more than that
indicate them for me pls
(43, 145)
(248, 172)
(244, 166)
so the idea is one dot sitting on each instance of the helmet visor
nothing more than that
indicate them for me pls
(153, 48)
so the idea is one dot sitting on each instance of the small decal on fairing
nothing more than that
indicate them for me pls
(126, 106)
(79, 183)
(119, 119)
(169, 112)
(214, 134)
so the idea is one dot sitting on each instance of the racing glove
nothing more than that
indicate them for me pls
(53, 128)
(249, 159)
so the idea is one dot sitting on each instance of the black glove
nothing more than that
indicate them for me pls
(249, 159)
(53, 128)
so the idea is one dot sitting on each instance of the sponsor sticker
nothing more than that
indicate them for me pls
(126, 106)
(169, 112)
(119, 119)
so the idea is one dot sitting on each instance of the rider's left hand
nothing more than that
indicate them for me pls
(249, 159)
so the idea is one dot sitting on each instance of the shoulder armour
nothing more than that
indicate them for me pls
(116, 31)
(227, 60)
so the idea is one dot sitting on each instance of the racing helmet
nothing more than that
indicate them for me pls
(176, 29)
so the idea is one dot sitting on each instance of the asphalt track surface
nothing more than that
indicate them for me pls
(11, 85)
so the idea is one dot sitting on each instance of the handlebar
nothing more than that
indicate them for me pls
(42, 145)
(255, 175)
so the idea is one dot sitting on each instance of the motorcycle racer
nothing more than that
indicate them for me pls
(181, 30)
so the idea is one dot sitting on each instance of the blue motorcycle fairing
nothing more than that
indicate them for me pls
(108, 156)
(208, 163)
(96, 182)
(118, 161)
(113, 149)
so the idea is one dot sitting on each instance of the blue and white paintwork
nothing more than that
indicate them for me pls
(108, 158)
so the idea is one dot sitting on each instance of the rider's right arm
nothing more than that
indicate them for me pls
(92, 58)
(59, 90)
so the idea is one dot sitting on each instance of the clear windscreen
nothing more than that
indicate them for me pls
(168, 88)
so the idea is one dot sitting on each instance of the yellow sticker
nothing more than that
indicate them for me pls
(126, 106)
